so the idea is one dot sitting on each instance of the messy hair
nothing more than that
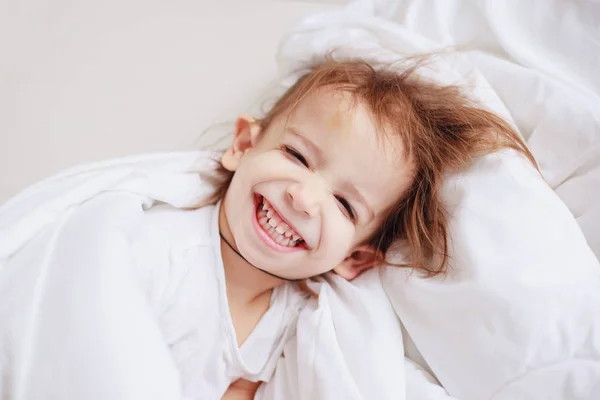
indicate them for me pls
(442, 131)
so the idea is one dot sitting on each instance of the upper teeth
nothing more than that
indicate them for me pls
(287, 236)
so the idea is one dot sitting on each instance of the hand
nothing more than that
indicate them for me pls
(241, 390)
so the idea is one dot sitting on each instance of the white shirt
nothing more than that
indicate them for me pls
(178, 254)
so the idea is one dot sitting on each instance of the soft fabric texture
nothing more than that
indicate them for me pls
(348, 346)
(518, 316)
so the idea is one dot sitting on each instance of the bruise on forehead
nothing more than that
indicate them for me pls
(340, 107)
(342, 117)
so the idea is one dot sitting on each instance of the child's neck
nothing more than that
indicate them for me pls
(246, 285)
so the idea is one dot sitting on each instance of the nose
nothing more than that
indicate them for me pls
(303, 199)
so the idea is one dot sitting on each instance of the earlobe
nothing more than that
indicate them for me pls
(244, 138)
(358, 262)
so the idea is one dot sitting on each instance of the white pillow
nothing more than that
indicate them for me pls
(518, 315)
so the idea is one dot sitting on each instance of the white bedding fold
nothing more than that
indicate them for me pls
(74, 322)
(348, 345)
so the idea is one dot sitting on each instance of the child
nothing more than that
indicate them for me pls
(349, 160)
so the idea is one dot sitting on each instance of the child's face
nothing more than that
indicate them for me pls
(311, 189)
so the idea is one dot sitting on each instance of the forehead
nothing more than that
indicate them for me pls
(354, 146)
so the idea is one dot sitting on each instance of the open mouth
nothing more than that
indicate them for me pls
(274, 226)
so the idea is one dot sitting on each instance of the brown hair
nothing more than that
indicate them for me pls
(441, 129)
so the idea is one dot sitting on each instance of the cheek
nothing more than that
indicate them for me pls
(268, 165)
(332, 255)
(339, 235)
(237, 187)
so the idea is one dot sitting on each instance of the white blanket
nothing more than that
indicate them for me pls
(60, 336)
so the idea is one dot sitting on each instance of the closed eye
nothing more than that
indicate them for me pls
(295, 154)
(347, 207)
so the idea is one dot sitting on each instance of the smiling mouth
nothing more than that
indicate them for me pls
(275, 227)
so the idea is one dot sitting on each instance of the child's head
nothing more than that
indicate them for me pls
(348, 161)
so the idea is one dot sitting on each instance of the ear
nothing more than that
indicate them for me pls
(359, 261)
(244, 138)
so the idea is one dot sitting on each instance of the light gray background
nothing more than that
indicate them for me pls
(87, 80)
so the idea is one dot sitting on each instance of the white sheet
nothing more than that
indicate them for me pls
(348, 346)
(61, 337)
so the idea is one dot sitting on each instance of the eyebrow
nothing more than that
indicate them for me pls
(318, 153)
